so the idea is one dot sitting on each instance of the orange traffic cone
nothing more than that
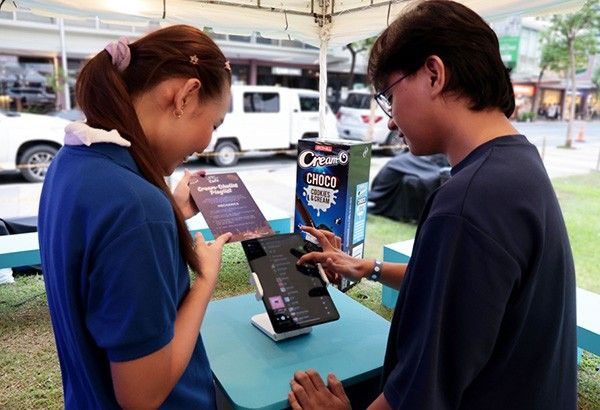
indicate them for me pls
(581, 135)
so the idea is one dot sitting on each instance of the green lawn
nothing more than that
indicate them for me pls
(580, 202)
(30, 371)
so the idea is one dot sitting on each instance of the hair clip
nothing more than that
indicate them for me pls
(227, 66)
(194, 59)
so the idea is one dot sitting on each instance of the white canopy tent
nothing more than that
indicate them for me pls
(322, 23)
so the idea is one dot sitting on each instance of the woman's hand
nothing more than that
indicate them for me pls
(209, 254)
(183, 197)
(335, 262)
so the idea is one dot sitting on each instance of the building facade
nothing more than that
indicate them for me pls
(30, 56)
(521, 49)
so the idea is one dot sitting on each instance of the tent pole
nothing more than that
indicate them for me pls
(63, 52)
(324, 45)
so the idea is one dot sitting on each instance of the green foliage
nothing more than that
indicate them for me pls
(570, 40)
(361, 45)
(526, 116)
(596, 81)
(579, 198)
(56, 81)
(588, 383)
(356, 48)
(576, 31)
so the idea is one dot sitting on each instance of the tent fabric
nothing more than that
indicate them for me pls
(348, 20)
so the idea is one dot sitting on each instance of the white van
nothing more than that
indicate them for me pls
(267, 118)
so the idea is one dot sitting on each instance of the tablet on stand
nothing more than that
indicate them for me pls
(295, 296)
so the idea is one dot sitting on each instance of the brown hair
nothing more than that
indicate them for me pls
(105, 95)
(461, 38)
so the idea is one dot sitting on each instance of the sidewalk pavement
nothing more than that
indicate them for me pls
(582, 158)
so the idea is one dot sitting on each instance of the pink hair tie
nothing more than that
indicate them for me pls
(120, 53)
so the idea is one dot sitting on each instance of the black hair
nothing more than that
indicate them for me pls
(460, 38)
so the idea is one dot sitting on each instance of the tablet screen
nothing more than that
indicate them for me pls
(294, 296)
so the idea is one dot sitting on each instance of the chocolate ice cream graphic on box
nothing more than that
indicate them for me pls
(227, 206)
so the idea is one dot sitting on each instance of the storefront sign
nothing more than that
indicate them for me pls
(286, 71)
(524, 90)
(509, 50)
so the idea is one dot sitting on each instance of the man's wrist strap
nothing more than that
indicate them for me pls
(375, 274)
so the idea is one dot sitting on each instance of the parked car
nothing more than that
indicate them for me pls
(353, 122)
(267, 118)
(32, 96)
(29, 142)
(72, 115)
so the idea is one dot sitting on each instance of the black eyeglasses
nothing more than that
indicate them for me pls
(384, 101)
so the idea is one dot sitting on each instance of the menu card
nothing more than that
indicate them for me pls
(227, 206)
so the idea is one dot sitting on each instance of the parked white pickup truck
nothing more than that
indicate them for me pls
(29, 142)
(267, 118)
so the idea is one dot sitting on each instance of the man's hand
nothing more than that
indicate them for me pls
(182, 195)
(309, 392)
(335, 262)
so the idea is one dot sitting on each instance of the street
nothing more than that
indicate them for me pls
(271, 178)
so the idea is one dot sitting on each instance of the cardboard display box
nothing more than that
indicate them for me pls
(332, 185)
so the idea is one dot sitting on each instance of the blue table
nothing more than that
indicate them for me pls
(19, 250)
(588, 322)
(254, 372)
(23, 249)
(398, 252)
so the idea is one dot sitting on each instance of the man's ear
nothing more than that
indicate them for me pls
(436, 72)
(189, 88)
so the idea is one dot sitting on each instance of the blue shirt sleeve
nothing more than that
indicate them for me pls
(132, 294)
(453, 301)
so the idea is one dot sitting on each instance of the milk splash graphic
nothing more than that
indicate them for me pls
(319, 198)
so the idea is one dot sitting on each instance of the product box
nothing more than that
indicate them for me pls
(332, 186)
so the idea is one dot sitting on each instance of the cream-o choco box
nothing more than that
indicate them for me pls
(332, 187)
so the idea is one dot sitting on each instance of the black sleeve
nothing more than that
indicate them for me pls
(453, 302)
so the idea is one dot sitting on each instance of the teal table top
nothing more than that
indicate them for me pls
(254, 371)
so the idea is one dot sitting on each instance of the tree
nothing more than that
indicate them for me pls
(596, 81)
(56, 80)
(570, 40)
(550, 60)
(356, 48)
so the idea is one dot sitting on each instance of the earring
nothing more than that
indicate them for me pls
(178, 113)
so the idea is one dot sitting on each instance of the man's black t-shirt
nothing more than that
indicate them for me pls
(485, 318)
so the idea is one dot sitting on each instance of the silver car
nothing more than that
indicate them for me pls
(353, 122)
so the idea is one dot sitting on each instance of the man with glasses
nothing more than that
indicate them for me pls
(485, 317)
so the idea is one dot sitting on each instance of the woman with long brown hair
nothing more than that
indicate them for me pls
(114, 244)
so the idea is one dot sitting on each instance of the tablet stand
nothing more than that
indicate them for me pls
(263, 323)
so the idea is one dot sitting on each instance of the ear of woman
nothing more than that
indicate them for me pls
(184, 95)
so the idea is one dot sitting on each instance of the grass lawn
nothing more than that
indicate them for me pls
(580, 202)
(31, 375)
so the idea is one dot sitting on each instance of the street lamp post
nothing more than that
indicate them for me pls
(63, 52)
